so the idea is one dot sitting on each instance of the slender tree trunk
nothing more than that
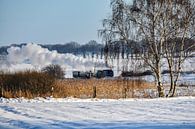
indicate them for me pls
(171, 77)
(160, 89)
(159, 82)
(176, 79)
(174, 89)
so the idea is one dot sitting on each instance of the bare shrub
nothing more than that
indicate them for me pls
(26, 84)
(54, 70)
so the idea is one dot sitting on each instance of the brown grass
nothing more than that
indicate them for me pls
(32, 84)
(28, 84)
(102, 88)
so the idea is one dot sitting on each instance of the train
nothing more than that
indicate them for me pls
(98, 74)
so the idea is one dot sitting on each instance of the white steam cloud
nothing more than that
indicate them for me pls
(39, 57)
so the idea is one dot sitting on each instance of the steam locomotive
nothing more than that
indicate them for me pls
(99, 74)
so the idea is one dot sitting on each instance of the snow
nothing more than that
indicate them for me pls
(97, 113)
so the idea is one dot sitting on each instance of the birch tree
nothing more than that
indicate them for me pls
(179, 29)
(156, 22)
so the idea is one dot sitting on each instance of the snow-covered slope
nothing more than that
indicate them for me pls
(94, 113)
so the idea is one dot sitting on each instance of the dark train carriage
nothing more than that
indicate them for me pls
(83, 75)
(104, 73)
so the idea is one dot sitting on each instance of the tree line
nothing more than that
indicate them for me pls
(71, 47)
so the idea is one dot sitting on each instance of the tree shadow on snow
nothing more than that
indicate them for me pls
(95, 125)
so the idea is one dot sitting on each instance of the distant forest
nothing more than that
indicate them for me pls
(93, 48)
(71, 47)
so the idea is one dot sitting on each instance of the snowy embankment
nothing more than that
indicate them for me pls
(98, 113)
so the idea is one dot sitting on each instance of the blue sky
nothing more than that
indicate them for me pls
(51, 21)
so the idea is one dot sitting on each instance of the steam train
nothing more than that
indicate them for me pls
(99, 74)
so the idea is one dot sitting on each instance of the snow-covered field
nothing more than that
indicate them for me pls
(72, 113)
